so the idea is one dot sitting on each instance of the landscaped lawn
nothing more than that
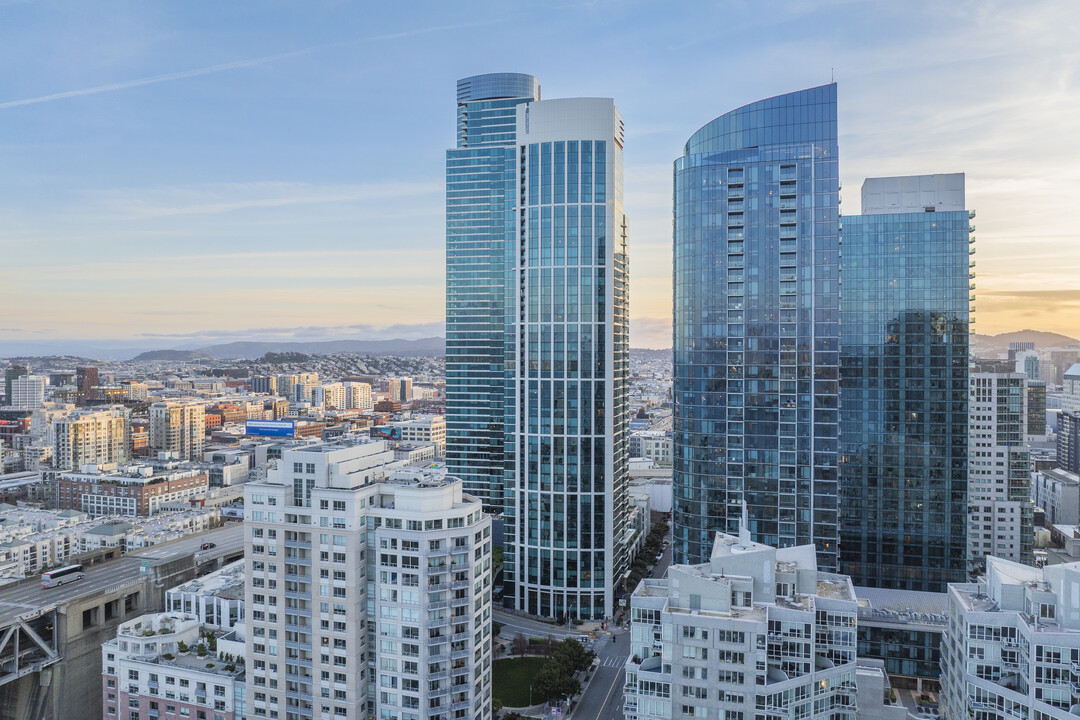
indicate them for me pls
(511, 678)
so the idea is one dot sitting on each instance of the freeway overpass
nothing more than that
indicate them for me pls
(50, 638)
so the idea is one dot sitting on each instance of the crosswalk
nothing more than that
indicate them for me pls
(614, 661)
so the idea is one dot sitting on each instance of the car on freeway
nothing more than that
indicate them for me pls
(207, 546)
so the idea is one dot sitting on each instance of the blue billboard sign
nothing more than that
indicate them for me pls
(270, 428)
(386, 432)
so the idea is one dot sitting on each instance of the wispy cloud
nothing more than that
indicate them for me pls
(217, 198)
(234, 65)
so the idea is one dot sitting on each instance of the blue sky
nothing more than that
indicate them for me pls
(174, 173)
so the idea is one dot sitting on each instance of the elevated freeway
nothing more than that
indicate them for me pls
(50, 638)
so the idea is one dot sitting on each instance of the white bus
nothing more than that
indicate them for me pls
(71, 573)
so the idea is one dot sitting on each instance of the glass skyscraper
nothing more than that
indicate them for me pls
(756, 327)
(539, 326)
(904, 384)
(481, 174)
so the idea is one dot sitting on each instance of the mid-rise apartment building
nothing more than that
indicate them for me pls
(140, 490)
(1068, 441)
(652, 444)
(147, 674)
(755, 633)
(425, 429)
(28, 392)
(358, 396)
(264, 384)
(178, 428)
(1070, 386)
(92, 437)
(367, 595)
(1012, 648)
(1000, 512)
(1057, 492)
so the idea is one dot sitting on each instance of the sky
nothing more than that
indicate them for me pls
(174, 174)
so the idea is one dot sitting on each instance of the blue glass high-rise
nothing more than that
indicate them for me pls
(537, 336)
(756, 327)
(904, 384)
(481, 175)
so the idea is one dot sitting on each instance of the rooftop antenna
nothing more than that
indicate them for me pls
(832, 74)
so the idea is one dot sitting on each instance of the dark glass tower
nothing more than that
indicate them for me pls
(904, 384)
(481, 183)
(756, 327)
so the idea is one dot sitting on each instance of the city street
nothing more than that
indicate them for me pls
(513, 624)
(603, 700)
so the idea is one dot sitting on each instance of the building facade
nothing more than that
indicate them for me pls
(652, 444)
(1001, 514)
(481, 182)
(1068, 441)
(358, 396)
(178, 428)
(1036, 408)
(537, 336)
(10, 373)
(146, 675)
(756, 327)
(92, 437)
(1057, 492)
(1012, 649)
(28, 392)
(905, 320)
(425, 429)
(86, 381)
(131, 490)
(754, 633)
(566, 447)
(365, 597)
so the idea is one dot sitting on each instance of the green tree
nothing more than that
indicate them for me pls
(554, 683)
(572, 656)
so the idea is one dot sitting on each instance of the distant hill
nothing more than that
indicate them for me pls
(169, 355)
(993, 345)
(427, 347)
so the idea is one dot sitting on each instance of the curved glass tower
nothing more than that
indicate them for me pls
(756, 327)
